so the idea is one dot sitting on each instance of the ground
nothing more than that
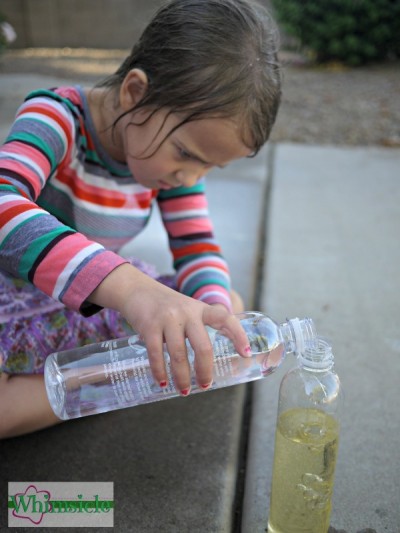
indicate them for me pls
(320, 105)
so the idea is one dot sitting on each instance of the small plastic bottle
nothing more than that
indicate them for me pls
(116, 374)
(306, 444)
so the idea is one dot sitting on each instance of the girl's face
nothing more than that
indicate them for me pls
(159, 159)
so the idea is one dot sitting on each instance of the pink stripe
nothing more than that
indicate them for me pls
(71, 93)
(20, 148)
(24, 171)
(208, 288)
(90, 277)
(222, 297)
(12, 203)
(184, 227)
(184, 203)
(195, 268)
(53, 265)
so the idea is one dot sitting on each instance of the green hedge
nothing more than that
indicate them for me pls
(351, 31)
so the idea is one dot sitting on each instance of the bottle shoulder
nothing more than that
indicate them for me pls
(302, 373)
(304, 388)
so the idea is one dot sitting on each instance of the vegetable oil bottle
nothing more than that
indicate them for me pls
(306, 444)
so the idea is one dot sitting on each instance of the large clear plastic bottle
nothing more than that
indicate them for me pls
(116, 374)
(306, 444)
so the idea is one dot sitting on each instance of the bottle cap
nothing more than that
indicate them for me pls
(317, 355)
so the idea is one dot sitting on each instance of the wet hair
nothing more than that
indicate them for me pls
(210, 58)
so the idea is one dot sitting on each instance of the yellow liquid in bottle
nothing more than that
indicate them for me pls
(306, 448)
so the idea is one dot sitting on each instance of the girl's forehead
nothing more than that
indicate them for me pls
(220, 139)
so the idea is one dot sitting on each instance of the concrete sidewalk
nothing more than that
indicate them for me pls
(332, 253)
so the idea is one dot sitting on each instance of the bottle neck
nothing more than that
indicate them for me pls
(317, 357)
(298, 335)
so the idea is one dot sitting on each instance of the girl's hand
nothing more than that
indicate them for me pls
(160, 314)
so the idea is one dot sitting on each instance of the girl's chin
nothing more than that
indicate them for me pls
(154, 184)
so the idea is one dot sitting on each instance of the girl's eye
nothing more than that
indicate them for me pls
(183, 154)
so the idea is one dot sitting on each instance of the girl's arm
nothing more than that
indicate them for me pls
(202, 272)
(34, 245)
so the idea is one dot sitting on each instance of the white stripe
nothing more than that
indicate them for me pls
(13, 223)
(49, 122)
(71, 266)
(206, 295)
(27, 161)
(49, 103)
(200, 260)
(188, 213)
(107, 184)
(12, 198)
(102, 209)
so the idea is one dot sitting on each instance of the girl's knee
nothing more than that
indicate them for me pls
(237, 302)
(3, 380)
(24, 406)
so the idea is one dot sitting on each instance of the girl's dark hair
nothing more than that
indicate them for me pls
(210, 58)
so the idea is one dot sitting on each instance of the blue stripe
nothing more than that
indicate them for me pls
(75, 272)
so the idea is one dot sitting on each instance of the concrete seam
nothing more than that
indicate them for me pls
(259, 281)
(256, 303)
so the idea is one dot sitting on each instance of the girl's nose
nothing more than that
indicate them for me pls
(187, 179)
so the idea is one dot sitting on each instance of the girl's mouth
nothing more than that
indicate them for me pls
(164, 185)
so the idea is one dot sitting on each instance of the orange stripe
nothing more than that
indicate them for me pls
(105, 198)
(98, 196)
(205, 264)
(195, 249)
(47, 111)
(14, 211)
(6, 182)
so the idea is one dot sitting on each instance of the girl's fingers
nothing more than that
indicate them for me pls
(180, 368)
(230, 326)
(188, 319)
(154, 346)
(203, 361)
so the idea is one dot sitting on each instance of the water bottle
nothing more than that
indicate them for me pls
(306, 444)
(116, 374)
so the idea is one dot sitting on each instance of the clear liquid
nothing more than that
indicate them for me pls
(116, 374)
(306, 446)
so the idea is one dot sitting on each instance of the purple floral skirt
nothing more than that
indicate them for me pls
(33, 325)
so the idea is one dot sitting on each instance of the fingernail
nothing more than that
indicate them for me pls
(163, 384)
(248, 350)
(206, 385)
(185, 392)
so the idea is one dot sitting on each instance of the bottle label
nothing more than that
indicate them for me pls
(223, 366)
(129, 379)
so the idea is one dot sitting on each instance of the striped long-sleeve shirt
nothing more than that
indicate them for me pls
(66, 208)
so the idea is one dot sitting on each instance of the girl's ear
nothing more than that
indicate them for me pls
(133, 88)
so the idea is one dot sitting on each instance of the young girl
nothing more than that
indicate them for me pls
(79, 173)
